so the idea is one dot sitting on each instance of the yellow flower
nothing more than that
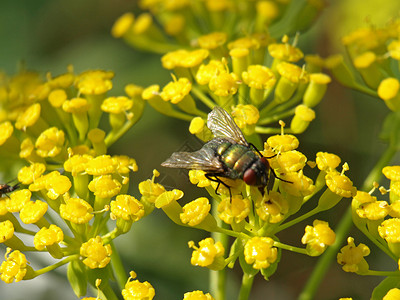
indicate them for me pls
(245, 115)
(388, 91)
(208, 71)
(318, 237)
(125, 164)
(282, 142)
(316, 89)
(198, 177)
(327, 161)
(48, 236)
(96, 254)
(176, 90)
(116, 105)
(151, 190)
(50, 142)
(392, 172)
(259, 252)
(76, 210)
(94, 82)
(224, 84)
(18, 199)
(14, 267)
(375, 210)
(298, 184)
(272, 208)
(127, 207)
(77, 164)
(6, 130)
(197, 295)
(122, 25)
(390, 230)
(212, 40)
(289, 161)
(27, 175)
(76, 106)
(6, 230)
(340, 184)
(168, 197)
(184, 58)
(57, 97)
(234, 210)
(352, 257)
(29, 117)
(136, 290)
(208, 254)
(195, 212)
(105, 186)
(259, 77)
(303, 115)
(32, 212)
(101, 165)
(57, 185)
(392, 294)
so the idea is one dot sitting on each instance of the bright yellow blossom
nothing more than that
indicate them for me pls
(208, 254)
(260, 253)
(6, 230)
(14, 267)
(197, 295)
(195, 211)
(318, 237)
(136, 290)
(48, 236)
(76, 210)
(96, 254)
(32, 212)
(50, 142)
(352, 257)
(127, 207)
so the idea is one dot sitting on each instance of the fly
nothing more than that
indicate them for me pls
(5, 188)
(227, 155)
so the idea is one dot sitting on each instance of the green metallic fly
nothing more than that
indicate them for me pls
(227, 155)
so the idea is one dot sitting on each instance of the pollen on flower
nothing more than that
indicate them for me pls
(127, 208)
(116, 105)
(390, 230)
(76, 105)
(208, 71)
(150, 190)
(375, 210)
(18, 199)
(224, 84)
(6, 230)
(207, 252)
(77, 164)
(289, 161)
(48, 236)
(292, 72)
(32, 212)
(94, 82)
(340, 184)
(352, 257)
(198, 177)
(14, 267)
(125, 164)
(298, 184)
(195, 211)
(212, 40)
(76, 210)
(184, 58)
(245, 115)
(272, 207)
(6, 130)
(327, 161)
(28, 174)
(235, 210)
(151, 92)
(27, 148)
(392, 172)
(176, 90)
(197, 295)
(101, 165)
(282, 142)
(50, 142)
(57, 185)
(260, 253)
(318, 237)
(134, 289)
(259, 77)
(285, 52)
(29, 117)
(96, 254)
(105, 186)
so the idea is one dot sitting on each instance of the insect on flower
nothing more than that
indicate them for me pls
(227, 155)
(5, 188)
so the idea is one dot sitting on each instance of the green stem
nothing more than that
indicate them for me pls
(245, 289)
(202, 97)
(290, 248)
(218, 278)
(382, 273)
(342, 230)
(107, 292)
(56, 265)
(118, 267)
(297, 220)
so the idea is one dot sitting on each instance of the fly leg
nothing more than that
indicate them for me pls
(213, 177)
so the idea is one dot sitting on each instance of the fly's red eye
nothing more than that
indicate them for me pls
(265, 162)
(250, 177)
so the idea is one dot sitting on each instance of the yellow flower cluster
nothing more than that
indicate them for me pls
(373, 53)
(50, 128)
(229, 71)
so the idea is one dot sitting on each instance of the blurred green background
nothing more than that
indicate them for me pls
(47, 35)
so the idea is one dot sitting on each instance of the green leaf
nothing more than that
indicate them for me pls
(387, 284)
(77, 277)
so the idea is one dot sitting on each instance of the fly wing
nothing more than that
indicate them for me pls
(222, 125)
(203, 159)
